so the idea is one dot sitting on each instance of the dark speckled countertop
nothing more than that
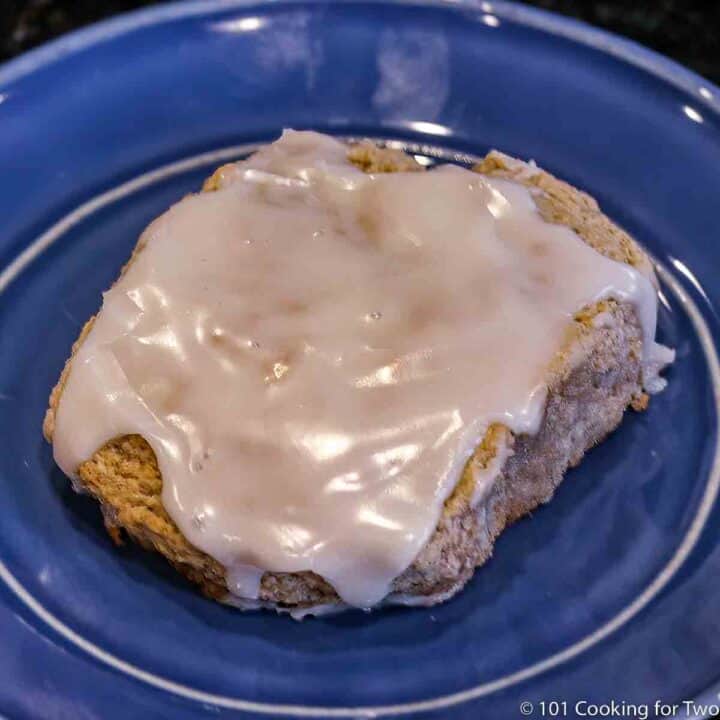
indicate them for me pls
(686, 30)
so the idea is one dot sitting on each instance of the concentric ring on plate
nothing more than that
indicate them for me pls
(630, 610)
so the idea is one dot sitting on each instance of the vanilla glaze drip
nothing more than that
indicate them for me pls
(313, 354)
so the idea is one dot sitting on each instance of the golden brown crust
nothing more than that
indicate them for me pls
(373, 159)
(559, 202)
(123, 475)
(213, 183)
(49, 420)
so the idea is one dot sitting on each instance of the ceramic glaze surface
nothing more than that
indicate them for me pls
(610, 591)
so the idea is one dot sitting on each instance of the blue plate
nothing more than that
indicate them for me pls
(610, 592)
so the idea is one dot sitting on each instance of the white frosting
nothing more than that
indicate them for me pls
(313, 354)
(325, 609)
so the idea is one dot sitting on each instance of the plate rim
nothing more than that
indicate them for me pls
(704, 91)
(602, 40)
